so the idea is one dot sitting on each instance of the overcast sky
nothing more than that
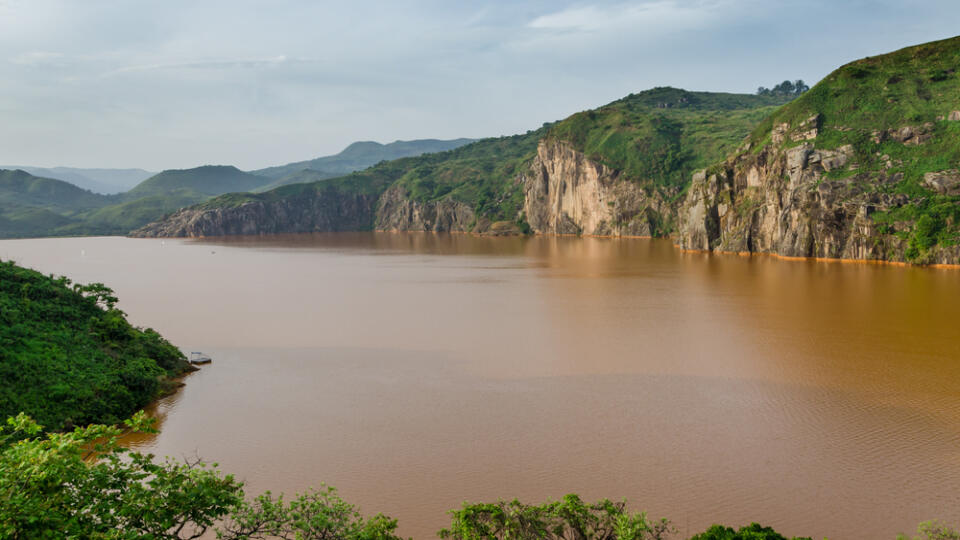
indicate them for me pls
(175, 84)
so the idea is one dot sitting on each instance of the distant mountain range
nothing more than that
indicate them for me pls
(103, 181)
(38, 201)
(356, 157)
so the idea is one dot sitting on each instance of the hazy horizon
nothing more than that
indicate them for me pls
(106, 84)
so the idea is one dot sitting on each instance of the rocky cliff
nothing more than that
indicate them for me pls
(567, 193)
(396, 211)
(311, 211)
(863, 166)
(793, 199)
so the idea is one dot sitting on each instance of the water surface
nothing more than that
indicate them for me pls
(415, 371)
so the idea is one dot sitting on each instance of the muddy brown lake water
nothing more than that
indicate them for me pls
(416, 371)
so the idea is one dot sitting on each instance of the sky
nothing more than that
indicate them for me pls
(181, 83)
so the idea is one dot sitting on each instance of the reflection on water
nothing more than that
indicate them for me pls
(414, 371)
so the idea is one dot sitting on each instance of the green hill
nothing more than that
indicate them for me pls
(900, 112)
(35, 206)
(68, 357)
(104, 181)
(205, 181)
(660, 136)
(479, 174)
(21, 188)
(655, 138)
(357, 156)
(865, 165)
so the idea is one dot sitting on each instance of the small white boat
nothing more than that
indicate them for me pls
(199, 358)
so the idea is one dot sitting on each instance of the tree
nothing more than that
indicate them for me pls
(933, 530)
(754, 531)
(567, 519)
(83, 484)
(786, 88)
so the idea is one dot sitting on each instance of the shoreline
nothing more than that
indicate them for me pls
(937, 266)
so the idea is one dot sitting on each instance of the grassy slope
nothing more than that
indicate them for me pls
(659, 137)
(909, 87)
(65, 360)
(19, 188)
(480, 174)
(36, 206)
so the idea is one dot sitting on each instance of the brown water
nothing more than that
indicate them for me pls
(415, 371)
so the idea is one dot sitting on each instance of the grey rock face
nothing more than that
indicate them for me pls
(397, 212)
(780, 200)
(567, 193)
(313, 212)
(943, 182)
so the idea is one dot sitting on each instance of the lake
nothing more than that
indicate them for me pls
(416, 371)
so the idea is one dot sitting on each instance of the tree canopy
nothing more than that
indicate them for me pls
(786, 88)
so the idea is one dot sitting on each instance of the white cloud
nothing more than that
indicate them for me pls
(178, 83)
(668, 15)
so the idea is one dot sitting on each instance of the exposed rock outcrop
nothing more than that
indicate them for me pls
(397, 212)
(567, 193)
(781, 200)
(943, 182)
(312, 211)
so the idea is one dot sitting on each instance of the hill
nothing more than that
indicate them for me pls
(35, 206)
(484, 186)
(356, 157)
(205, 181)
(863, 166)
(21, 188)
(69, 357)
(103, 181)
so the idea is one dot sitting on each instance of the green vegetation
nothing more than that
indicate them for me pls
(32, 206)
(356, 157)
(50, 488)
(660, 137)
(786, 88)
(933, 530)
(754, 531)
(19, 188)
(84, 484)
(203, 181)
(69, 357)
(866, 104)
(569, 517)
(103, 181)
(483, 175)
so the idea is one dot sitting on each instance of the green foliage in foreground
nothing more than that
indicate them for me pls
(84, 484)
(933, 530)
(569, 517)
(69, 357)
(50, 488)
(754, 531)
